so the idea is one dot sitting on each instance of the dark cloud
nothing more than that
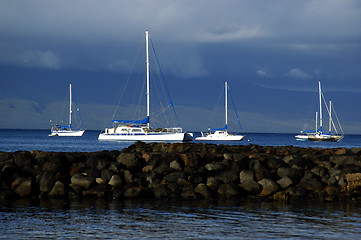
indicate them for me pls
(264, 48)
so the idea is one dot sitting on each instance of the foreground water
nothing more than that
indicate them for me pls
(124, 219)
(29, 140)
(178, 220)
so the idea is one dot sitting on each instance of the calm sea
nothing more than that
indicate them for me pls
(124, 219)
(29, 140)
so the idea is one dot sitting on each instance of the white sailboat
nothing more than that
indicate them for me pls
(221, 134)
(318, 134)
(67, 131)
(140, 130)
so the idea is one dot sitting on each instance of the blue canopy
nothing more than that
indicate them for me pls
(219, 129)
(141, 121)
(308, 131)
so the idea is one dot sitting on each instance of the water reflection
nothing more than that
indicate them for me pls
(96, 218)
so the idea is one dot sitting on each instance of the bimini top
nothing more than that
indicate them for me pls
(219, 129)
(141, 121)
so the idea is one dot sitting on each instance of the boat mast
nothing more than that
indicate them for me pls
(330, 121)
(319, 94)
(316, 121)
(147, 63)
(226, 104)
(70, 106)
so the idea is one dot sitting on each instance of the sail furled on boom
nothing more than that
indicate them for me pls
(219, 129)
(141, 121)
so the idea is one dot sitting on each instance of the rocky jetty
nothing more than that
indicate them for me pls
(185, 171)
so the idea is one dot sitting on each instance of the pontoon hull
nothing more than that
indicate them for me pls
(149, 137)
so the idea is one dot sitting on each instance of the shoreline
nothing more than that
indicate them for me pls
(187, 171)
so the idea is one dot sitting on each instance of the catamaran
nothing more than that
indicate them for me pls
(67, 131)
(221, 134)
(140, 130)
(318, 134)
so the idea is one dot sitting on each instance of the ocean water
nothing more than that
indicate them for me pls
(29, 140)
(147, 218)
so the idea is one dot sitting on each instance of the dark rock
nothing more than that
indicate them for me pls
(319, 171)
(285, 182)
(292, 173)
(133, 192)
(324, 164)
(228, 190)
(131, 161)
(58, 190)
(75, 170)
(226, 176)
(268, 187)
(173, 177)
(212, 182)
(203, 190)
(340, 160)
(82, 181)
(46, 182)
(274, 163)
(311, 182)
(188, 193)
(303, 163)
(175, 165)
(356, 151)
(115, 181)
(99, 190)
(340, 151)
(246, 176)
(91, 172)
(52, 166)
(160, 190)
(251, 186)
(22, 159)
(128, 176)
(296, 191)
(191, 160)
(331, 190)
(197, 178)
(106, 175)
(214, 166)
(22, 186)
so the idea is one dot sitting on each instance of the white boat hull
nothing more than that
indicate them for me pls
(152, 137)
(319, 137)
(220, 136)
(68, 133)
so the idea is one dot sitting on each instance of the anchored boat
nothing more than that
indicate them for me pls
(140, 130)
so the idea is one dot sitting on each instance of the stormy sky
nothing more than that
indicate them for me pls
(272, 53)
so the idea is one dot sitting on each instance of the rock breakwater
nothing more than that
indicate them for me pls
(185, 171)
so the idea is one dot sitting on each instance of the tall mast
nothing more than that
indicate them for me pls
(70, 106)
(316, 121)
(319, 94)
(330, 120)
(226, 104)
(147, 63)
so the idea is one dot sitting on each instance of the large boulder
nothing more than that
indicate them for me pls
(292, 173)
(22, 186)
(268, 187)
(81, 180)
(228, 190)
(58, 190)
(46, 181)
(131, 161)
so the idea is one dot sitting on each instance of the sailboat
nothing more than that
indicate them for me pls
(140, 130)
(221, 134)
(318, 134)
(67, 131)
